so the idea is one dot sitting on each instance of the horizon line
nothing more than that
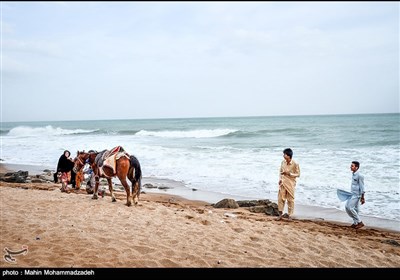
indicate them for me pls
(210, 117)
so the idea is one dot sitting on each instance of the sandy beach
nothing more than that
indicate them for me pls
(70, 230)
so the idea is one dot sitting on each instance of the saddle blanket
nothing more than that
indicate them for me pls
(109, 159)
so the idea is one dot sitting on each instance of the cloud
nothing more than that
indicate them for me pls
(201, 58)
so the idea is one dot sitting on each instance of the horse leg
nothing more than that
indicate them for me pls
(96, 187)
(135, 191)
(127, 190)
(113, 199)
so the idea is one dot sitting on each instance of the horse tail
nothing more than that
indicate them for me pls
(138, 171)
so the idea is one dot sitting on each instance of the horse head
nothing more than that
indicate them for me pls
(80, 161)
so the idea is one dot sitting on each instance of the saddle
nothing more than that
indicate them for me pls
(109, 159)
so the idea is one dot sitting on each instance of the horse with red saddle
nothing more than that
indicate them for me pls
(113, 163)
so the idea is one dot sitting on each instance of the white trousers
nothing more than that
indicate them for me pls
(352, 208)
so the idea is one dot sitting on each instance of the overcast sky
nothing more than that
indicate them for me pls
(135, 60)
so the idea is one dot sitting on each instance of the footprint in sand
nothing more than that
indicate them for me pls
(143, 249)
(297, 250)
(253, 238)
(238, 229)
(168, 263)
(39, 231)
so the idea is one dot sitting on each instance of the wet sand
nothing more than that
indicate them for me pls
(65, 230)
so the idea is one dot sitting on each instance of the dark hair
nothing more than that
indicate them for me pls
(288, 152)
(356, 163)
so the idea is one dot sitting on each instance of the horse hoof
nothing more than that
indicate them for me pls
(94, 197)
(113, 199)
(128, 204)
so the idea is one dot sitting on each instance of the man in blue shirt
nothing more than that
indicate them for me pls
(357, 190)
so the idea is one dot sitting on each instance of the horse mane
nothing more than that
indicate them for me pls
(125, 166)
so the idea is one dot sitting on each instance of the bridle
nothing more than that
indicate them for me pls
(80, 162)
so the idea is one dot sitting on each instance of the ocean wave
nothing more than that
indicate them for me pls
(216, 148)
(27, 131)
(128, 132)
(198, 133)
(238, 156)
(265, 132)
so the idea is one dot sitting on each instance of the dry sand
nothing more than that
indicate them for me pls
(71, 230)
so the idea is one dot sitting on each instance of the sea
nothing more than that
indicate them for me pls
(237, 156)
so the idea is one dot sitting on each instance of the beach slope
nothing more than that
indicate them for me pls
(72, 230)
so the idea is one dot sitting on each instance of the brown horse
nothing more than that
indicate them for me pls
(126, 166)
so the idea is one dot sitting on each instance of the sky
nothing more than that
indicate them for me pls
(145, 60)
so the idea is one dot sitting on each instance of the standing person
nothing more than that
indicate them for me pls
(357, 191)
(91, 181)
(65, 164)
(289, 171)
